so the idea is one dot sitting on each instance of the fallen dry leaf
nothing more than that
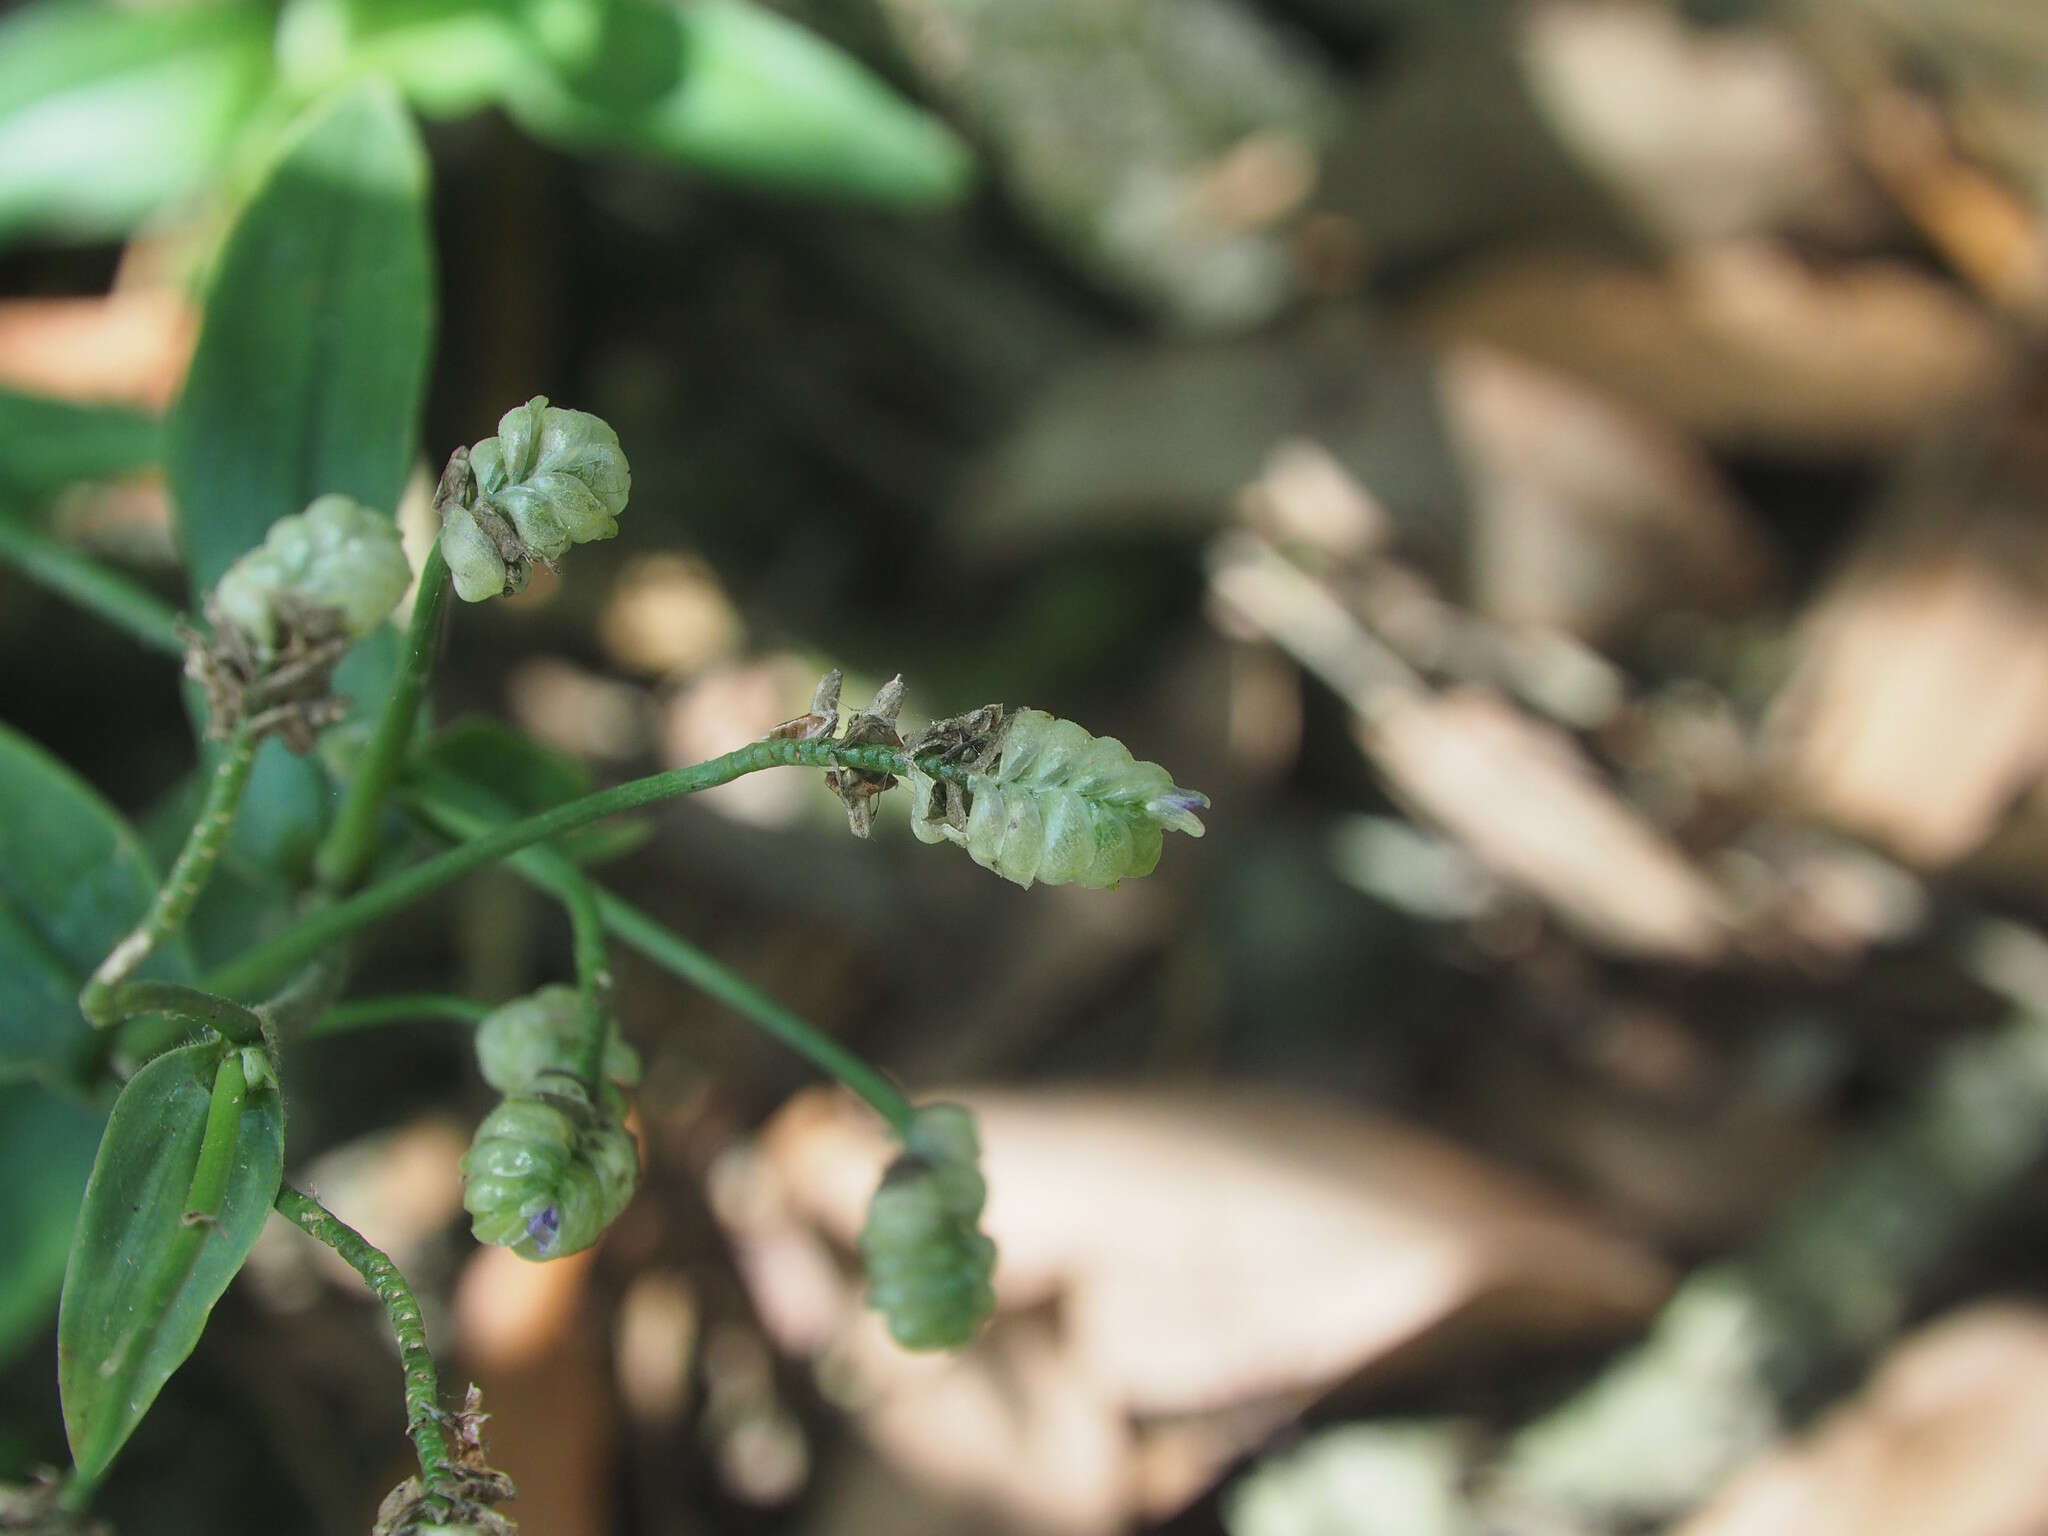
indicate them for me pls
(1529, 805)
(1216, 1259)
(1586, 516)
(1703, 132)
(1916, 713)
(1950, 1438)
(1739, 341)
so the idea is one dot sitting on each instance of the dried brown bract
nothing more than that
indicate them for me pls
(874, 726)
(291, 694)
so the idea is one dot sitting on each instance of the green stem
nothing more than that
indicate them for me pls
(423, 1419)
(217, 1146)
(148, 1034)
(324, 926)
(91, 585)
(593, 976)
(552, 870)
(188, 877)
(345, 853)
(397, 1008)
(138, 999)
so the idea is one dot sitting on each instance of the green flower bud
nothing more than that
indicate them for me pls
(1054, 803)
(550, 479)
(929, 1265)
(542, 1033)
(548, 1171)
(336, 556)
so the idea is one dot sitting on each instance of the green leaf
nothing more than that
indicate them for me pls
(313, 349)
(47, 444)
(505, 774)
(108, 111)
(718, 85)
(449, 57)
(732, 88)
(308, 378)
(142, 1278)
(46, 1147)
(73, 881)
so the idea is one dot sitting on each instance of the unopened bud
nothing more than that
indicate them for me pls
(336, 556)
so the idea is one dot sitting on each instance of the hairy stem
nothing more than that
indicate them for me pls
(322, 927)
(188, 877)
(91, 585)
(397, 1008)
(351, 843)
(423, 1420)
(552, 870)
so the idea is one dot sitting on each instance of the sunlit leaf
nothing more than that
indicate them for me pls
(108, 111)
(732, 88)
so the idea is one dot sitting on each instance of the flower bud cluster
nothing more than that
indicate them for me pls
(551, 1166)
(929, 1265)
(549, 1169)
(529, 1037)
(1042, 799)
(284, 615)
(550, 479)
(336, 555)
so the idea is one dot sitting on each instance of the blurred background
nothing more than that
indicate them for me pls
(1567, 479)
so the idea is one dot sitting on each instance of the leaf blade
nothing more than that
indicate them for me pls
(313, 350)
(73, 880)
(46, 444)
(46, 1151)
(308, 378)
(735, 89)
(140, 1281)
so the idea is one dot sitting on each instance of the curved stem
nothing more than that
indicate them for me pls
(397, 1008)
(142, 614)
(351, 842)
(138, 999)
(148, 1034)
(552, 870)
(188, 877)
(423, 1420)
(322, 927)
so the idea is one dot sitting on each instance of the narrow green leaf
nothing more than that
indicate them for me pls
(46, 1147)
(46, 444)
(732, 88)
(313, 350)
(142, 1278)
(108, 111)
(73, 880)
(310, 369)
